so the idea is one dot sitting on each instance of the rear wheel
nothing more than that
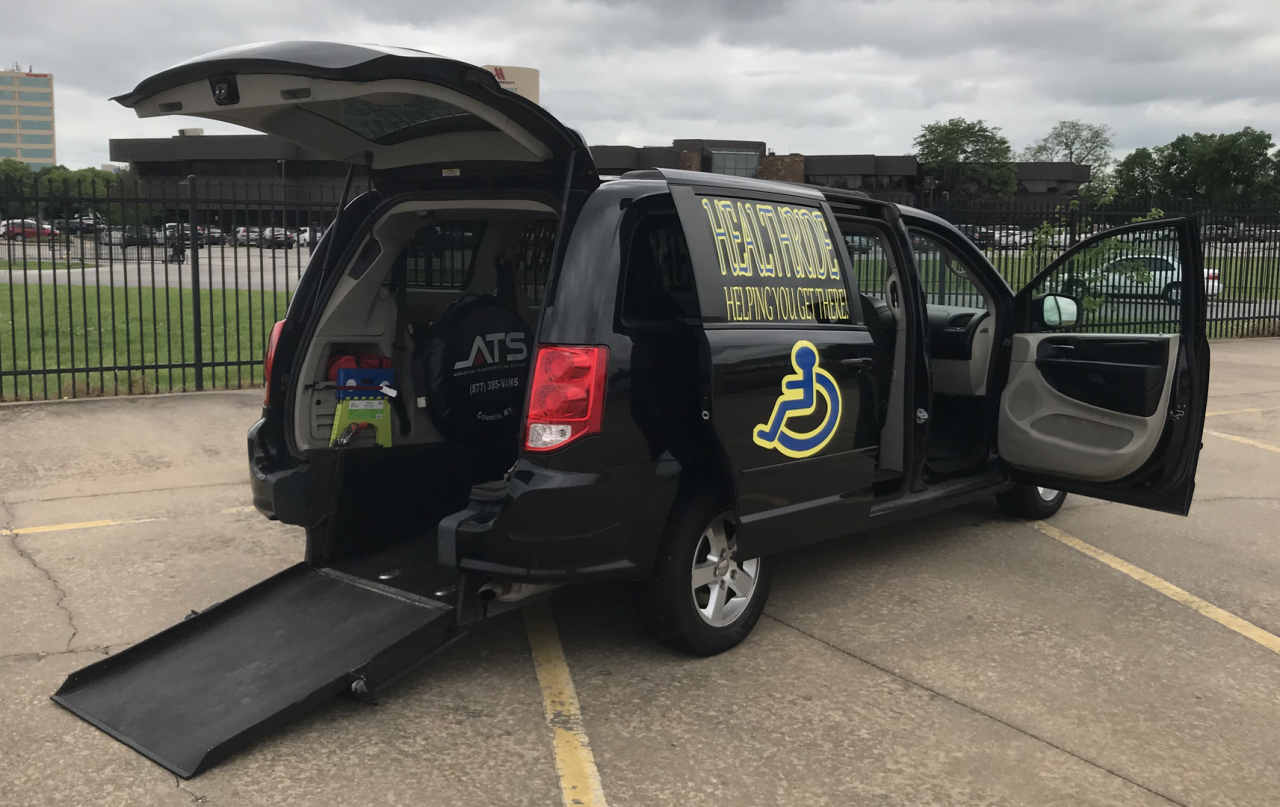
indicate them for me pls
(1031, 501)
(701, 597)
(1172, 294)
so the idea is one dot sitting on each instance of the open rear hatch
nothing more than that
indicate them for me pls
(192, 695)
(408, 116)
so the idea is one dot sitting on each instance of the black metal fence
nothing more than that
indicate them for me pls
(1241, 254)
(108, 289)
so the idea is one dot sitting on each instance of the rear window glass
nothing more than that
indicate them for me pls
(777, 263)
(442, 255)
(389, 118)
(660, 285)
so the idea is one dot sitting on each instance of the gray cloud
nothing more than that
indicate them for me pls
(809, 75)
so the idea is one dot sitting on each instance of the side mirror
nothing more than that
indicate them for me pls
(1058, 311)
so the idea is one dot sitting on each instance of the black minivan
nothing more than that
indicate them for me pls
(503, 372)
(667, 376)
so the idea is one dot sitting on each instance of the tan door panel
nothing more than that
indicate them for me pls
(1043, 430)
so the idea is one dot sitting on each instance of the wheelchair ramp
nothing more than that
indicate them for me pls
(194, 694)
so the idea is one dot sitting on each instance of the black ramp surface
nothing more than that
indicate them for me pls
(193, 694)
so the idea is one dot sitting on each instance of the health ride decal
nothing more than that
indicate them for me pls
(777, 262)
(799, 398)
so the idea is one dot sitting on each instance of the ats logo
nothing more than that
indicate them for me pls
(487, 349)
(799, 398)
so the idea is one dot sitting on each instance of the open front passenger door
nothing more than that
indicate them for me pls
(1109, 369)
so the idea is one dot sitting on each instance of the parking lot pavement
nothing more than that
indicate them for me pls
(966, 658)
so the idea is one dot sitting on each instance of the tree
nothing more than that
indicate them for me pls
(1073, 141)
(1137, 177)
(1220, 168)
(14, 176)
(1214, 169)
(970, 159)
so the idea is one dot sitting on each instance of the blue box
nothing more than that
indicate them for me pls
(358, 383)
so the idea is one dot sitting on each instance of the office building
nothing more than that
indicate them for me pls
(26, 118)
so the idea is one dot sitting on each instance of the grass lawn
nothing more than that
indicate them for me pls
(134, 329)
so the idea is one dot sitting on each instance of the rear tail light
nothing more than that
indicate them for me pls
(1211, 274)
(566, 398)
(270, 360)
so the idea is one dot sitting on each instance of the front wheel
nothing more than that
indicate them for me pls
(1172, 294)
(1031, 501)
(701, 597)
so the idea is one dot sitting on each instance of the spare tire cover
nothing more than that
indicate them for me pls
(477, 365)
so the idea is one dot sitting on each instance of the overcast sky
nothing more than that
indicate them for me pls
(855, 76)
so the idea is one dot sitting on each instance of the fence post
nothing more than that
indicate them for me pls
(1073, 217)
(197, 338)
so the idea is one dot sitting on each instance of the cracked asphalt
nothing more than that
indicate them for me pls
(964, 658)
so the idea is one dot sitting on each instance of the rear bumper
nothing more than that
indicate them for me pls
(549, 526)
(279, 494)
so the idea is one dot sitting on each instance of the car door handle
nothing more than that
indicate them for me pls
(857, 365)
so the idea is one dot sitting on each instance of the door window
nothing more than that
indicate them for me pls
(869, 255)
(659, 283)
(1128, 283)
(944, 277)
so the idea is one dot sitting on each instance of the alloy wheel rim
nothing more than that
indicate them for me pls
(1047, 494)
(721, 586)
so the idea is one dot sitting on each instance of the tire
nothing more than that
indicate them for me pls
(1172, 294)
(1030, 501)
(677, 614)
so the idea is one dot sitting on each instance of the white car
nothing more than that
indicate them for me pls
(1120, 278)
(1010, 238)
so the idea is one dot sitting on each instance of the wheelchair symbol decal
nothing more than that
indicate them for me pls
(799, 398)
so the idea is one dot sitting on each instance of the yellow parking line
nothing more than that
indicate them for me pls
(1241, 411)
(78, 525)
(1225, 618)
(579, 779)
(1245, 440)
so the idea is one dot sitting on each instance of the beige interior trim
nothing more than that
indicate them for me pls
(1042, 430)
(263, 108)
(966, 376)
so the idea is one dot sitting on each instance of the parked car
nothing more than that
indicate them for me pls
(1216, 232)
(178, 233)
(1148, 275)
(20, 229)
(707, 381)
(76, 226)
(247, 236)
(126, 236)
(310, 235)
(982, 237)
(275, 238)
(213, 235)
(1006, 237)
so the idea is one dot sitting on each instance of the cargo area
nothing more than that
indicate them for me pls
(441, 304)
